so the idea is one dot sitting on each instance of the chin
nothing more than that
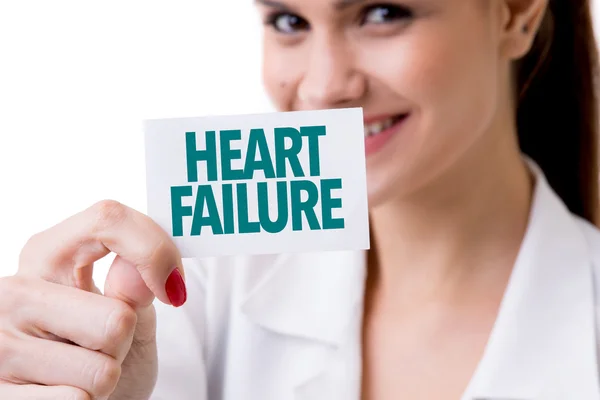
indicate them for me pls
(394, 181)
(379, 195)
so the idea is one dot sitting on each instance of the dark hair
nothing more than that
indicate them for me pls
(557, 114)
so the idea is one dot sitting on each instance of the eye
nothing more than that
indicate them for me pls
(288, 24)
(385, 14)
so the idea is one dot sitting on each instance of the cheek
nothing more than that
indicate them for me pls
(280, 74)
(461, 90)
(450, 81)
(444, 77)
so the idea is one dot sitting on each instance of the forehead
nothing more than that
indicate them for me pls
(331, 4)
(338, 6)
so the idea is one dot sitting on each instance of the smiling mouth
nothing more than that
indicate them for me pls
(376, 127)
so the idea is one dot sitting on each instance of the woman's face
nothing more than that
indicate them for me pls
(426, 72)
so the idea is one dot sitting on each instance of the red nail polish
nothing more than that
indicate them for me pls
(175, 288)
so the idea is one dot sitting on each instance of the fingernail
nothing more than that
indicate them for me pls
(175, 288)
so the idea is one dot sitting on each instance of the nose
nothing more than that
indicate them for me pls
(330, 78)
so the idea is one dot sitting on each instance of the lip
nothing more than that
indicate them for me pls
(375, 143)
(374, 118)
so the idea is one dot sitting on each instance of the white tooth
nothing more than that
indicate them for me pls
(376, 128)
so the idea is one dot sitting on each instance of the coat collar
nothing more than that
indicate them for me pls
(314, 299)
(543, 341)
(311, 295)
(543, 344)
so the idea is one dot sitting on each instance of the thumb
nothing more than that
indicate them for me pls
(124, 282)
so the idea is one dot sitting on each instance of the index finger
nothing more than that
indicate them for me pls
(56, 254)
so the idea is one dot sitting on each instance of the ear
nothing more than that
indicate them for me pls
(521, 21)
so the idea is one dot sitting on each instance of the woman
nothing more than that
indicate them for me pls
(482, 279)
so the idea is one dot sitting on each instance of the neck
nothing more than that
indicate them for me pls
(462, 231)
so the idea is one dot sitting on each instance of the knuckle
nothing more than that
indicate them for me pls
(39, 253)
(12, 291)
(120, 323)
(75, 394)
(106, 378)
(30, 249)
(7, 350)
(152, 253)
(7, 288)
(109, 213)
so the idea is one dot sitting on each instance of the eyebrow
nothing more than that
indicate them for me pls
(273, 4)
(339, 4)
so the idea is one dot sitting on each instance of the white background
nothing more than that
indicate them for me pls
(77, 77)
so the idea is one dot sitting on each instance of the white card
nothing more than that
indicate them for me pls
(259, 184)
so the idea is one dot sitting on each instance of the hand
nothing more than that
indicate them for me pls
(60, 338)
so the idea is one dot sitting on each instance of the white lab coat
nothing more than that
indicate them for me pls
(287, 327)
